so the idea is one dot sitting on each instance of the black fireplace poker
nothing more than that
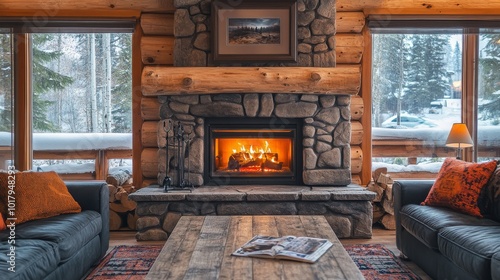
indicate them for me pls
(180, 140)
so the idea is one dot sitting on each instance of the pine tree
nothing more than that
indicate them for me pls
(388, 51)
(489, 77)
(5, 83)
(44, 81)
(426, 76)
(122, 87)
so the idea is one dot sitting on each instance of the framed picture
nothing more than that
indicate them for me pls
(259, 31)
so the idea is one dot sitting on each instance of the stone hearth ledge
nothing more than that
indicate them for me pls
(348, 209)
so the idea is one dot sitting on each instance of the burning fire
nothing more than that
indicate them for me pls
(255, 153)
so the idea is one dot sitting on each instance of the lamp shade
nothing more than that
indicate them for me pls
(459, 136)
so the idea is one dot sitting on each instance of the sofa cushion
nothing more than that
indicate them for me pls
(34, 259)
(495, 266)
(70, 231)
(38, 195)
(471, 247)
(424, 222)
(490, 197)
(458, 185)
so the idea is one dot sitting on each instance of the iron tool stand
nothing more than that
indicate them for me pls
(180, 139)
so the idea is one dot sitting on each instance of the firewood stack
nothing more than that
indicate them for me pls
(121, 208)
(383, 204)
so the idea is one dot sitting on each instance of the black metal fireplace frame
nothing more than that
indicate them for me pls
(295, 125)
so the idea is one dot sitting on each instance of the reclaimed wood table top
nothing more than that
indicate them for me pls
(200, 247)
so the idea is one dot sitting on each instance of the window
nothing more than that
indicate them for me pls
(6, 120)
(80, 96)
(422, 83)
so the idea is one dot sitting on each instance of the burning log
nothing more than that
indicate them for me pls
(271, 165)
(243, 159)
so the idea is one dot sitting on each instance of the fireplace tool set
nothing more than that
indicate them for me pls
(179, 142)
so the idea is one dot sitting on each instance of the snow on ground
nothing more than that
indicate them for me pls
(75, 141)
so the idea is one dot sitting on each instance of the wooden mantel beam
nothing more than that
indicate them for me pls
(345, 80)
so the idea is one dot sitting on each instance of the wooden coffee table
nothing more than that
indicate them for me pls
(200, 247)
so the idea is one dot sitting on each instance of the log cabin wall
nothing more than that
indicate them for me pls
(155, 41)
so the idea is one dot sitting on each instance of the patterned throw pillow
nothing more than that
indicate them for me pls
(2, 222)
(37, 195)
(458, 185)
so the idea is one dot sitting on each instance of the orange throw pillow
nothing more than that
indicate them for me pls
(2, 222)
(458, 185)
(37, 195)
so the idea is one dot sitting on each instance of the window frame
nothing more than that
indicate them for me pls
(469, 25)
(32, 21)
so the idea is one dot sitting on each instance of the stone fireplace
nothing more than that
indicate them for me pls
(317, 128)
(312, 93)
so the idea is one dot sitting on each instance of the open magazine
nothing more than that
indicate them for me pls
(305, 249)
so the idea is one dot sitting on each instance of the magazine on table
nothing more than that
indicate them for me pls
(304, 249)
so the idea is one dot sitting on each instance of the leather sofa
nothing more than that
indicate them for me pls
(64, 246)
(446, 244)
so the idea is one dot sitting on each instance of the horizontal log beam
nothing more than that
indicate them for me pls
(349, 22)
(149, 134)
(349, 48)
(345, 80)
(356, 133)
(53, 6)
(157, 50)
(149, 162)
(357, 108)
(157, 24)
(150, 109)
(434, 5)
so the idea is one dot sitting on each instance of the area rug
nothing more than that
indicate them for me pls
(133, 263)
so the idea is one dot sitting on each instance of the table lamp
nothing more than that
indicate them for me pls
(459, 138)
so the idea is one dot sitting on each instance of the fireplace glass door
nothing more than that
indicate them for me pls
(252, 152)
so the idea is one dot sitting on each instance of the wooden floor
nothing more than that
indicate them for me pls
(380, 236)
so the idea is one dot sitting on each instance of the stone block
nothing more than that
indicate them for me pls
(330, 159)
(154, 234)
(310, 158)
(329, 115)
(266, 105)
(338, 177)
(183, 26)
(323, 26)
(341, 225)
(309, 97)
(256, 208)
(147, 222)
(170, 221)
(186, 99)
(342, 134)
(327, 101)
(151, 208)
(316, 196)
(251, 104)
(311, 208)
(295, 110)
(218, 109)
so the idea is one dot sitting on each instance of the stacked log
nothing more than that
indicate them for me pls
(121, 208)
(383, 204)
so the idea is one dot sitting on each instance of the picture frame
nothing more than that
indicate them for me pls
(254, 31)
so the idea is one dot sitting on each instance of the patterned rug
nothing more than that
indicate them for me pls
(133, 263)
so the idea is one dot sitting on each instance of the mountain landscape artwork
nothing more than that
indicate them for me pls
(248, 31)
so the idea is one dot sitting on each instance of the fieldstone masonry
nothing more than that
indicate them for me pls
(348, 210)
(326, 136)
(315, 33)
(326, 131)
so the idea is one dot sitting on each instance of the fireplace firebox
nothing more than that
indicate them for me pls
(253, 151)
